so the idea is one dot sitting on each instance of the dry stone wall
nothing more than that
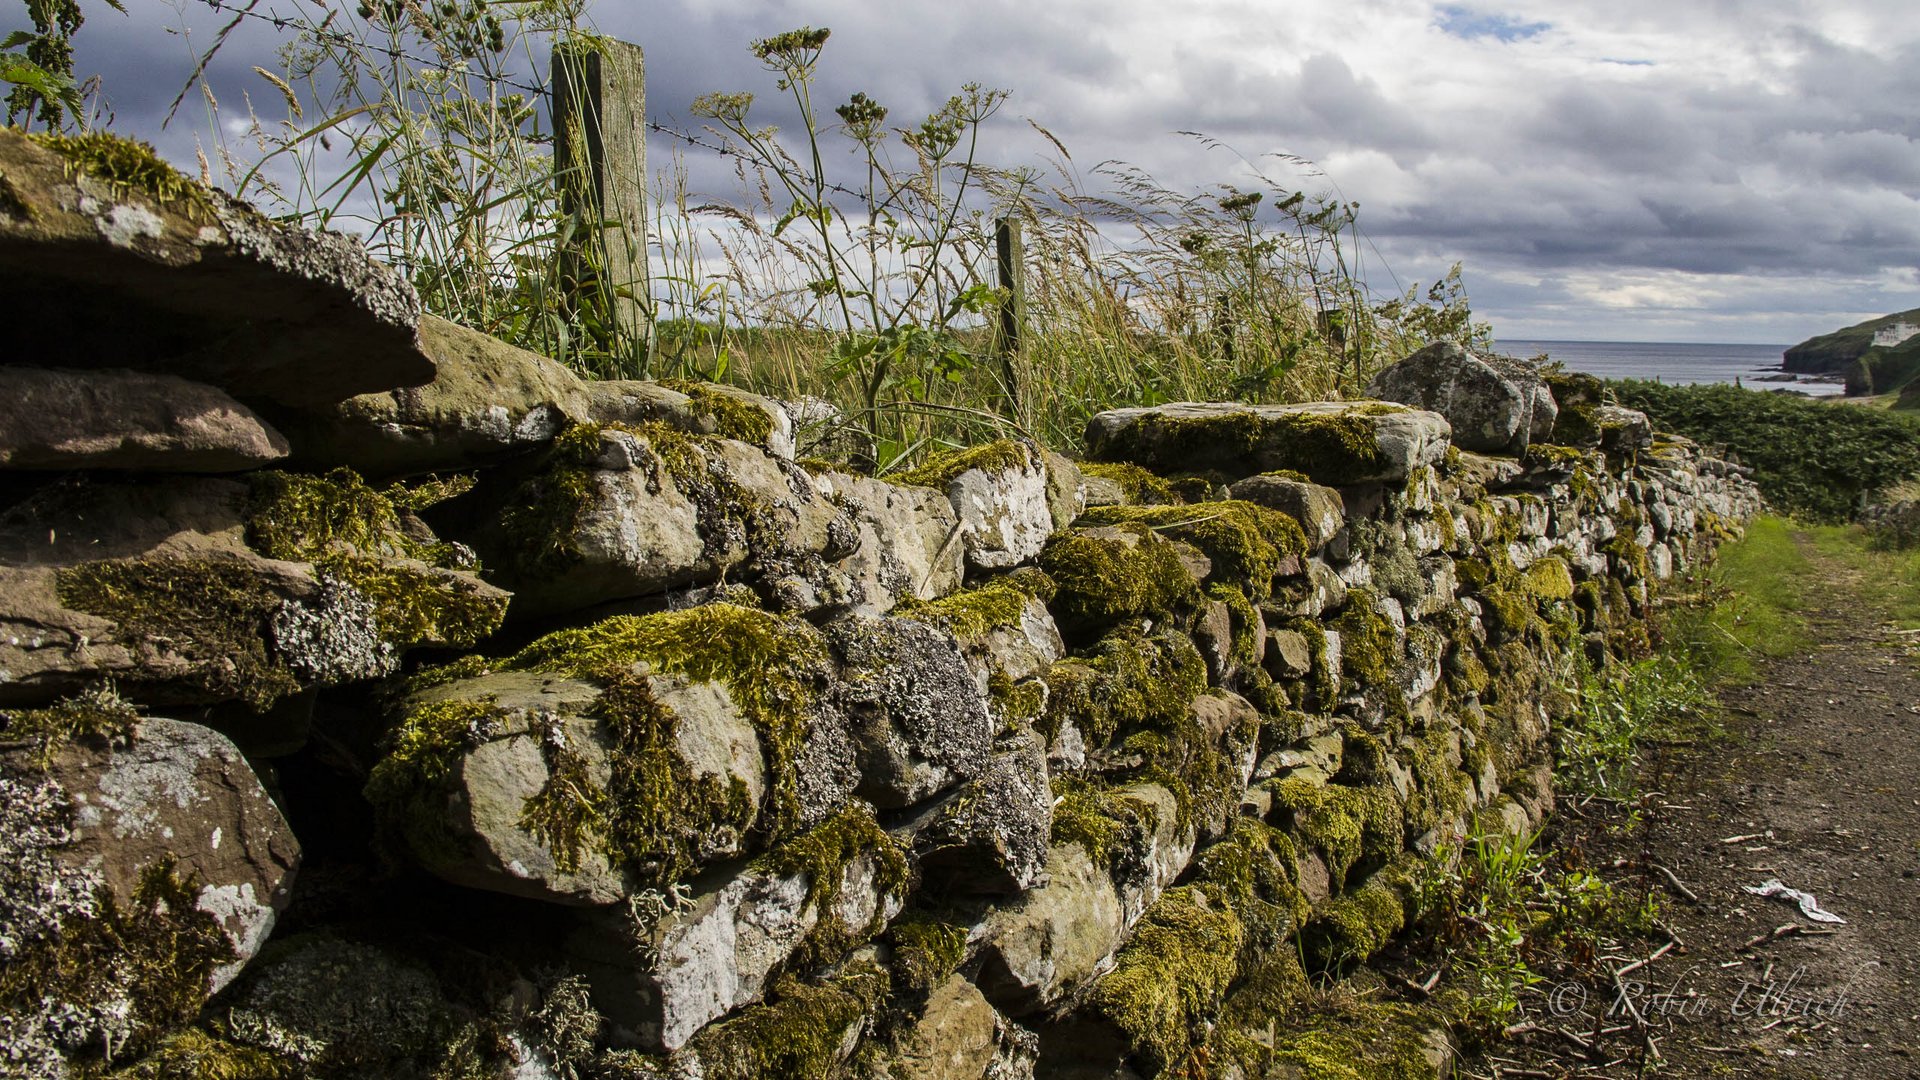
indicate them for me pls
(617, 742)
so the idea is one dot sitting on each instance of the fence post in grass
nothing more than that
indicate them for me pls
(1010, 259)
(599, 103)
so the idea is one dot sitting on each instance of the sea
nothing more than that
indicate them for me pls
(1754, 366)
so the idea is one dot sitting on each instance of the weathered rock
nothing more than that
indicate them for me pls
(956, 1037)
(617, 514)
(1066, 489)
(155, 828)
(174, 277)
(118, 419)
(1331, 442)
(531, 736)
(1288, 655)
(1491, 410)
(1005, 515)
(327, 1003)
(155, 585)
(704, 958)
(1057, 937)
(1318, 509)
(916, 714)
(181, 793)
(991, 835)
(1623, 431)
(910, 541)
(697, 408)
(487, 399)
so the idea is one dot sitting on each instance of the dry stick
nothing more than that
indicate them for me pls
(1679, 886)
(1651, 957)
(1783, 931)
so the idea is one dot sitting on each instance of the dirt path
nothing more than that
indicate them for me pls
(1818, 786)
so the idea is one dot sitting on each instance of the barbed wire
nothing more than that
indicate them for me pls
(339, 37)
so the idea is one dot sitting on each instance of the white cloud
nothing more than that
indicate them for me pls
(1611, 168)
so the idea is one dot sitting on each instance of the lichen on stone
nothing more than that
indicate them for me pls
(109, 978)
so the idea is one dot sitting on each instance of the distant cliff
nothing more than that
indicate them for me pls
(1835, 353)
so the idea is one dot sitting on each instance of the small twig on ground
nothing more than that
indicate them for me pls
(1679, 886)
(1779, 932)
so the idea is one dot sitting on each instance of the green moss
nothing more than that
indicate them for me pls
(731, 416)
(212, 612)
(1549, 579)
(194, 1053)
(941, 469)
(1369, 647)
(1346, 825)
(655, 815)
(1351, 928)
(1336, 447)
(926, 952)
(1016, 703)
(543, 517)
(1171, 976)
(1354, 1041)
(1101, 580)
(796, 1035)
(824, 852)
(1252, 870)
(1245, 621)
(1106, 823)
(973, 613)
(1289, 474)
(770, 666)
(303, 518)
(1512, 611)
(1245, 542)
(1629, 559)
(1141, 487)
(417, 606)
(127, 165)
(421, 749)
(97, 716)
(137, 969)
(1128, 680)
(1547, 456)
(355, 534)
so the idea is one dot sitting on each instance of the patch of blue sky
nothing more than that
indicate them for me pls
(1465, 22)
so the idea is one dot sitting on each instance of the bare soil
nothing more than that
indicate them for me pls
(1816, 783)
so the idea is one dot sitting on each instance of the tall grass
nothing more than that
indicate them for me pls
(853, 262)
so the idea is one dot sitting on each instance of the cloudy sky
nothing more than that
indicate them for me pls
(1641, 170)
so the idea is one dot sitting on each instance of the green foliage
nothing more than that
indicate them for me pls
(42, 73)
(1840, 455)
(1620, 708)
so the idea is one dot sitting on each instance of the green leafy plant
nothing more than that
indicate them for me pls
(40, 72)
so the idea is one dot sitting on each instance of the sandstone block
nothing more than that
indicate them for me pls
(119, 419)
(1331, 442)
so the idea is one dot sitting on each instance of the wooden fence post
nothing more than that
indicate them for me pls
(1010, 258)
(599, 104)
